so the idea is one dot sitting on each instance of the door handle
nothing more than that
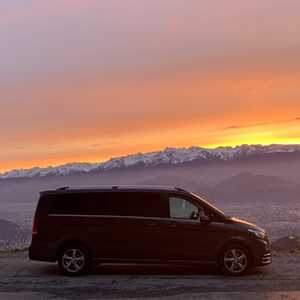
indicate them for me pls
(171, 224)
(151, 224)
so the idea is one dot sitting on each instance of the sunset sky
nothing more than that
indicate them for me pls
(86, 80)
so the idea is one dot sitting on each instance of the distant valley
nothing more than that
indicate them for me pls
(261, 187)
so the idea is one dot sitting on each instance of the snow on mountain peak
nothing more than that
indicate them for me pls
(169, 156)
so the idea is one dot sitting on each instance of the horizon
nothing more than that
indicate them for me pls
(90, 80)
(3, 172)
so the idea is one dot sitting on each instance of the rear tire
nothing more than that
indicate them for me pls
(73, 260)
(235, 260)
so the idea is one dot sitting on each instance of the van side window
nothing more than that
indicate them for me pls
(137, 205)
(79, 204)
(181, 208)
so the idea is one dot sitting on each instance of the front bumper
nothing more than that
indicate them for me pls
(265, 255)
(266, 259)
(262, 252)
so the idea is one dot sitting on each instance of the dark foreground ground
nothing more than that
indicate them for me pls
(22, 279)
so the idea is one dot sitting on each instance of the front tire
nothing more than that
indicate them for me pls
(235, 260)
(73, 260)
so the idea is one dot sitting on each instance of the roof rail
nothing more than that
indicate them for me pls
(179, 189)
(139, 186)
(122, 187)
(63, 188)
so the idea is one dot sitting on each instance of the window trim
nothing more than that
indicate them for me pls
(126, 217)
(185, 197)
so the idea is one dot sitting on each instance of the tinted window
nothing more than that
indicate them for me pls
(79, 204)
(181, 208)
(137, 204)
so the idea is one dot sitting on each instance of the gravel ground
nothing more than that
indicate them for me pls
(23, 279)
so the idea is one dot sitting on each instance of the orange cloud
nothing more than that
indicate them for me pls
(121, 117)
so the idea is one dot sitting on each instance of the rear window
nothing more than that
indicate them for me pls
(138, 204)
(79, 204)
(132, 204)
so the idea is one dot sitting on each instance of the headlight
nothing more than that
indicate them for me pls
(259, 233)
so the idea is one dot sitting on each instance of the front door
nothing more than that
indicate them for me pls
(186, 238)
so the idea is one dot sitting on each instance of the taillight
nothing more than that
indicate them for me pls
(35, 227)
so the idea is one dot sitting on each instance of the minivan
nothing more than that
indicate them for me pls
(141, 224)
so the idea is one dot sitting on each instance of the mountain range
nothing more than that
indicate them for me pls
(167, 157)
(258, 183)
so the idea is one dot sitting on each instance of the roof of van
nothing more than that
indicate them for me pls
(114, 188)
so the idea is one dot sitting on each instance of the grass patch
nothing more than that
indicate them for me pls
(16, 250)
(295, 252)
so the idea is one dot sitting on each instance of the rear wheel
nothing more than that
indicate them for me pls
(235, 260)
(73, 260)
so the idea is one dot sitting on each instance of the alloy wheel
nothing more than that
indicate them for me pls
(235, 261)
(73, 260)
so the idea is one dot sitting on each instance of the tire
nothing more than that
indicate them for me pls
(235, 260)
(73, 260)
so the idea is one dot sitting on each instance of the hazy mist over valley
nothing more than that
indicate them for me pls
(260, 187)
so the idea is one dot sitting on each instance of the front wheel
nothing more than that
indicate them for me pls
(73, 260)
(235, 260)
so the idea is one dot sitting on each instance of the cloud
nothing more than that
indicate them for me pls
(289, 135)
(236, 127)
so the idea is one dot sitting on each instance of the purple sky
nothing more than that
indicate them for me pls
(87, 80)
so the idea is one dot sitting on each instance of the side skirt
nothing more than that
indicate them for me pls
(151, 261)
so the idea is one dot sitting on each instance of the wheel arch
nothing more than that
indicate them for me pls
(240, 242)
(73, 241)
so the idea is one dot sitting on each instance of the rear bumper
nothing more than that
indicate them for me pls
(42, 252)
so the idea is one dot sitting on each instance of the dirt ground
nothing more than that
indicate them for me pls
(23, 279)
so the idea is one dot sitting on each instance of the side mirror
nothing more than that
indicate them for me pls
(195, 215)
(204, 219)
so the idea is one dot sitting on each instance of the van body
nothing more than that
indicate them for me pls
(80, 226)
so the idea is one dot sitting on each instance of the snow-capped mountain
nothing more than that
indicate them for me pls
(169, 156)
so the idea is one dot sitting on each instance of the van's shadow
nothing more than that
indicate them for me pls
(155, 270)
(146, 270)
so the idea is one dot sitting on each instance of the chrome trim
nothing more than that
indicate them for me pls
(151, 187)
(266, 259)
(113, 260)
(266, 262)
(128, 217)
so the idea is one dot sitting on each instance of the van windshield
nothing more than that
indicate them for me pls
(209, 204)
